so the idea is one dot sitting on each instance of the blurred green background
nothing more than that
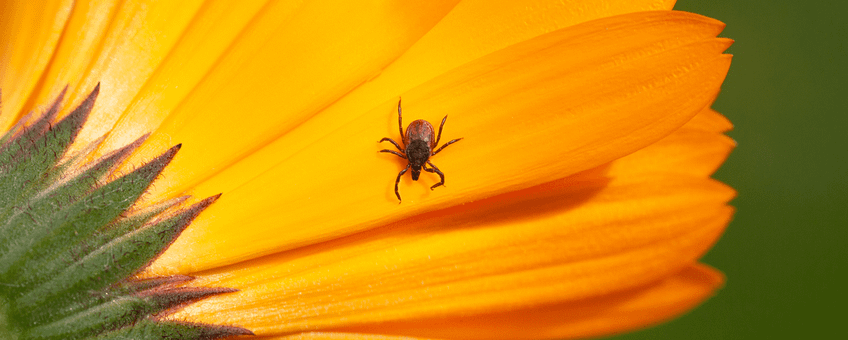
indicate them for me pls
(784, 253)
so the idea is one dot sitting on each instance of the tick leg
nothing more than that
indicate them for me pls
(400, 121)
(397, 181)
(446, 145)
(387, 139)
(439, 136)
(394, 152)
(437, 171)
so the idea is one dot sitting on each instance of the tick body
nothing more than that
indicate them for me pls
(419, 141)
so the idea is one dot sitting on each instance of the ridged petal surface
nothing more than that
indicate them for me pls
(529, 113)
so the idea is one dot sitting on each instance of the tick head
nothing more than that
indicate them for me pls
(415, 173)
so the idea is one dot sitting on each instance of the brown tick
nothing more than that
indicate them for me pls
(418, 147)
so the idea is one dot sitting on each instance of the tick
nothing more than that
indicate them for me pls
(418, 145)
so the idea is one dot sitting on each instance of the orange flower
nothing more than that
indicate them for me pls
(577, 204)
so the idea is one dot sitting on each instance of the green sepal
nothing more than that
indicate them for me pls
(41, 209)
(118, 228)
(15, 143)
(24, 160)
(173, 330)
(127, 224)
(120, 312)
(116, 313)
(132, 286)
(124, 288)
(36, 150)
(82, 218)
(22, 137)
(113, 262)
(69, 246)
(167, 298)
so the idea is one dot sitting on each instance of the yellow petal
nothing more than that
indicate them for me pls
(140, 36)
(609, 314)
(471, 30)
(337, 336)
(29, 31)
(710, 120)
(282, 70)
(696, 149)
(311, 271)
(529, 114)
(476, 28)
(210, 32)
(577, 240)
(576, 205)
(452, 42)
(81, 40)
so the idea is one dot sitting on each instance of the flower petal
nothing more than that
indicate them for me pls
(710, 120)
(471, 30)
(696, 149)
(287, 65)
(476, 28)
(450, 43)
(138, 36)
(579, 239)
(299, 274)
(643, 75)
(29, 31)
(188, 42)
(337, 336)
(609, 314)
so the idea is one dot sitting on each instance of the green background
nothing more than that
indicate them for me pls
(783, 254)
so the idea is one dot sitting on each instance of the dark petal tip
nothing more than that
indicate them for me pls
(225, 331)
